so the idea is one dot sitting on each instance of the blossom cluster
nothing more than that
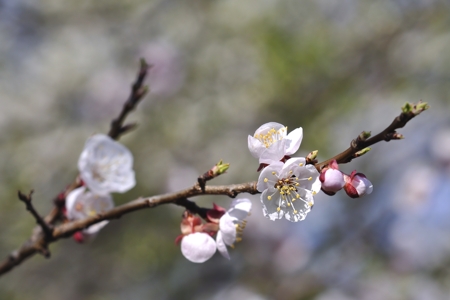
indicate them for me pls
(105, 167)
(197, 244)
(288, 184)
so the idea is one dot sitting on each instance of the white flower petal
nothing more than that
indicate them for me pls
(295, 139)
(274, 153)
(272, 216)
(198, 247)
(302, 209)
(71, 201)
(106, 166)
(265, 128)
(93, 229)
(221, 245)
(270, 207)
(255, 146)
(363, 185)
(81, 204)
(295, 164)
(228, 229)
(270, 172)
(241, 204)
(240, 209)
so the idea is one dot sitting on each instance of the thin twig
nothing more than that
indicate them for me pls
(138, 91)
(46, 228)
(409, 111)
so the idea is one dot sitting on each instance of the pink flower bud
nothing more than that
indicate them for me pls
(332, 179)
(357, 185)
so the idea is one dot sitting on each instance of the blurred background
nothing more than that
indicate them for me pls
(221, 69)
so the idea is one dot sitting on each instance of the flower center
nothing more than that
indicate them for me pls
(271, 136)
(288, 189)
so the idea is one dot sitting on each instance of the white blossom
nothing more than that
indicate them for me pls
(232, 224)
(271, 143)
(198, 247)
(288, 189)
(106, 166)
(81, 204)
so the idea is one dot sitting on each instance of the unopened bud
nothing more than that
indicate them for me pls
(357, 185)
(219, 168)
(407, 108)
(311, 157)
(397, 136)
(365, 135)
(332, 179)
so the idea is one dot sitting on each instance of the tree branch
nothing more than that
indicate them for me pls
(38, 240)
(409, 111)
(138, 91)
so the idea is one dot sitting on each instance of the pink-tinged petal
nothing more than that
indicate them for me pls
(271, 178)
(295, 139)
(351, 191)
(362, 185)
(215, 213)
(198, 247)
(333, 165)
(227, 229)
(274, 153)
(221, 246)
(333, 180)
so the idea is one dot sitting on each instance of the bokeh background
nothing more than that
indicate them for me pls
(221, 69)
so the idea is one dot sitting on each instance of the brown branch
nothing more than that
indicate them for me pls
(138, 91)
(38, 241)
(409, 111)
(192, 207)
(46, 228)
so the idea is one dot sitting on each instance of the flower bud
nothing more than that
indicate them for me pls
(357, 185)
(332, 179)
